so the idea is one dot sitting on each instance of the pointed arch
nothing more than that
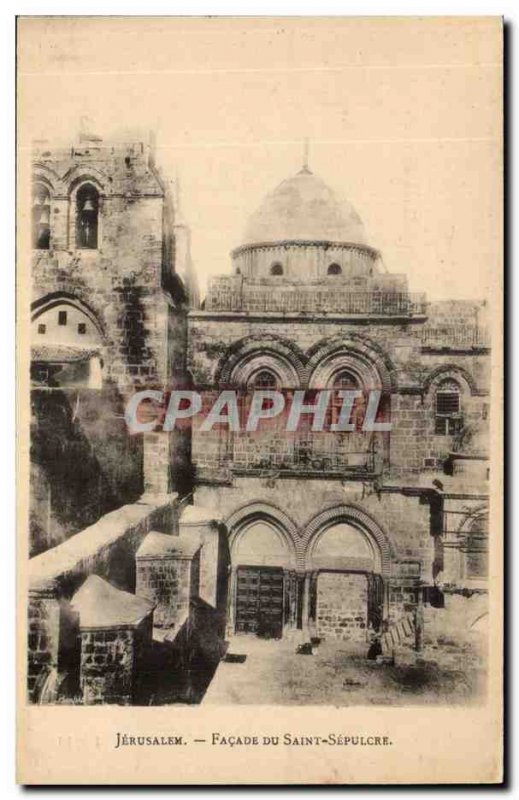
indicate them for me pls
(356, 518)
(269, 528)
(49, 301)
(246, 356)
(450, 371)
(352, 353)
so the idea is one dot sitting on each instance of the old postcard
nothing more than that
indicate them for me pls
(260, 289)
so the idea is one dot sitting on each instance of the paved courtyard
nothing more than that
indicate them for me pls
(261, 671)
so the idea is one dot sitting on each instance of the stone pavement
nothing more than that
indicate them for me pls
(338, 673)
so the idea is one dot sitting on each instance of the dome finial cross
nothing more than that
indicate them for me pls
(306, 153)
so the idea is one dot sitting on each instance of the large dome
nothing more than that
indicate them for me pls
(304, 208)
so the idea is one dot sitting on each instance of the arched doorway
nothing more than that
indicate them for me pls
(345, 584)
(263, 576)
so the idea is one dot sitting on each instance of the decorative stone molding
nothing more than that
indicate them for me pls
(241, 518)
(454, 372)
(362, 249)
(83, 173)
(260, 509)
(358, 518)
(77, 300)
(472, 515)
(355, 353)
(315, 369)
(286, 359)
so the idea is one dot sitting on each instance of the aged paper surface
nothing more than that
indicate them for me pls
(260, 400)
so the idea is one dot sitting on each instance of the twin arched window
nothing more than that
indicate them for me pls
(86, 217)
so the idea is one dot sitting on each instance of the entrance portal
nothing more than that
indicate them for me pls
(347, 591)
(259, 601)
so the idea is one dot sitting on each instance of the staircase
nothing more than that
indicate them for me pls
(397, 633)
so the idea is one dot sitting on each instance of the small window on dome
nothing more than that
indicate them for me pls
(334, 269)
(276, 269)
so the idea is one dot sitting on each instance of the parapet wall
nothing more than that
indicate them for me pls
(106, 549)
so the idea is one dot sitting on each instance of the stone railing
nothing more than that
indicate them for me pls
(226, 294)
(455, 336)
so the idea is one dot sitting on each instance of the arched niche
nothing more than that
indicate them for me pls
(65, 322)
(343, 546)
(275, 363)
(66, 345)
(252, 353)
(261, 543)
(359, 524)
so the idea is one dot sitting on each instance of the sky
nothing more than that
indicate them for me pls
(403, 119)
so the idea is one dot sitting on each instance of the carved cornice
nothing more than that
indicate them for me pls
(364, 249)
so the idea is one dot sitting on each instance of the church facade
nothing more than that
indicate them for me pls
(317, 534)
(340, 535)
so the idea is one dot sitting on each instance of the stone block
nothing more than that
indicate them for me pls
(115, 629)
(168, 575)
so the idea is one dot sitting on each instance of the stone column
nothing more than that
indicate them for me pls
(419, 620)
(292, 595)
(231, 602)
(306, 606)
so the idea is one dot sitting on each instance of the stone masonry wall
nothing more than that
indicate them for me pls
(110, 661)
(342, 606)
(171, 583)
(414, 446)
(43, 639)
(107, 549)
(128, 285)
(405, 519)
(83, 463)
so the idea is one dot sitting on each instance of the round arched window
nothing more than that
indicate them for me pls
(334, 269)
(276, 269)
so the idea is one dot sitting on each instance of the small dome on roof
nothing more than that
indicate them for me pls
(304, 208)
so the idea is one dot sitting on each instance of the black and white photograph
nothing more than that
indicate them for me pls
(260, 289)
